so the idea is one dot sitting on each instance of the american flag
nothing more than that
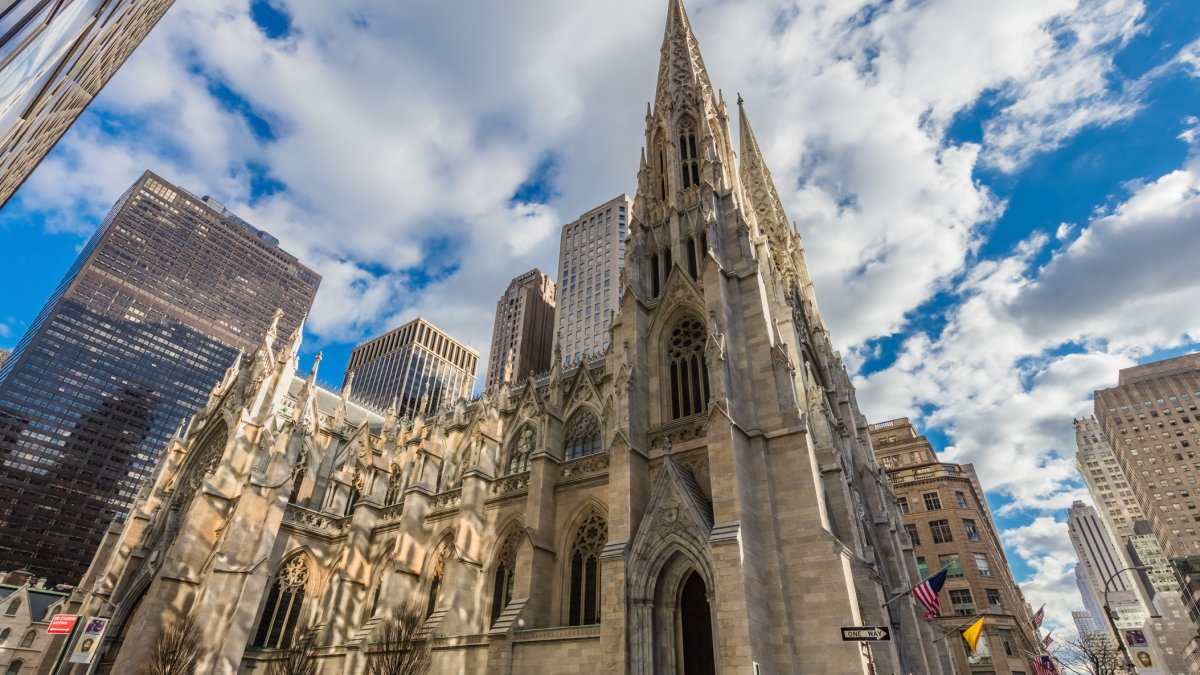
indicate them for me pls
(1043, 665)
(927, 591)
(1048, 641)
(1038, 616)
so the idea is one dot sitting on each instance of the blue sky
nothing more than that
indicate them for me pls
(999, 200)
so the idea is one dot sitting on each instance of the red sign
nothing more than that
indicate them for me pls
(61, 624)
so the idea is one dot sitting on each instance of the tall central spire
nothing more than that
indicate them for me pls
(682, 77)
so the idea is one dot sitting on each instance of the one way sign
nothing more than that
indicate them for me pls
(866, 634)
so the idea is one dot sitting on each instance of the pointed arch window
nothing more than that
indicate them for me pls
(654, 276)
(688, 372)
(691, 258)
(281, 612)
(4, 635)
(518, 456)
(662, 173)
(689, 161)
(502, 578)
(15, 667)
(30, 636)
(583, 435)
(395, 491)
(208, 458)
(356, 490)
(584, 605)
(13, 607)
(435, 578)
(299, 471)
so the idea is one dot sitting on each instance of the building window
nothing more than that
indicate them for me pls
(922, 567)
(903, 502)
(1006, 639)
(506, 564)
(962, 500)
(395, 490)
(584, 607)
(951, 564)
(285, 600)
(982, 564)
(583, 435)
(298, 473)
(518, 456)
(993, 598)
(933, 501)
(972, 531)
(30, 636)
(13, 607)
(4, 635)
(435, 578)
(14, 668)
(688, 369)
(691, 258)
(941, 531)
(961, 602)
(688, 157)
(913, 535)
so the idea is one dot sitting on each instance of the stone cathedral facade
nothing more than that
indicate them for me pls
(701, 499)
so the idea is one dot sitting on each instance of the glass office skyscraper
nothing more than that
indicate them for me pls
(55, 57)
(145, 322)
(416, 365)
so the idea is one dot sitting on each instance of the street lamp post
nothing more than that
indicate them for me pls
(1112, 623)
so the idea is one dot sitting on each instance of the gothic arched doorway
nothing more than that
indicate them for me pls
(696, 654)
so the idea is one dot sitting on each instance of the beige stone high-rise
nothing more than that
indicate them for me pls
(1105, 481)
(523, 335)
(949, 525)
(702, 499)
(590, 256)
(1151, 419)
(57, 57)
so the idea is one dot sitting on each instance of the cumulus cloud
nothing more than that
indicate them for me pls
(1046, 545)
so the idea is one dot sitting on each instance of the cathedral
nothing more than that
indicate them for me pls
(702, 498)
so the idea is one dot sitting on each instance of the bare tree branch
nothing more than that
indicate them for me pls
(1093, 654)
(399, 650)
(300, 658)
(175, 651)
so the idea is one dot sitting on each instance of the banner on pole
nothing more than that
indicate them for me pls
(89, 640)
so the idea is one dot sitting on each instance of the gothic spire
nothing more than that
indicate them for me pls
(761, 195)
(682, 78)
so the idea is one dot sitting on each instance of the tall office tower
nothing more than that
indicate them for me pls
(1105, 480)
(590, 256)
(1150, 419)
(1098, 558)
(523, 336)
(55, 57)
(153, 311)
(416, 365)
(1086, 623)
(1090, 602)
(948, 521)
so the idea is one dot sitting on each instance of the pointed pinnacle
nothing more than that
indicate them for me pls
(740, 99)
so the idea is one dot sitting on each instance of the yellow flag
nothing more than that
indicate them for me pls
(971, 635)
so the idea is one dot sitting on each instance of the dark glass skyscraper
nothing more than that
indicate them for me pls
(145, 322)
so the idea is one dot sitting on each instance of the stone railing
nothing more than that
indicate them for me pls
(391, 513)
(678, 431)
(585, 465)
(446, 500)
(511, 484)
(312, 520)
(555, 634)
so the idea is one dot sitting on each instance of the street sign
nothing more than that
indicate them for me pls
(61, 624)
(866, 634)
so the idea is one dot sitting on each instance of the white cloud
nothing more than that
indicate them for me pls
(1047, 546)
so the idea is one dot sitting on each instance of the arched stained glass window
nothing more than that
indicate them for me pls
(395, 491)
(30, 636)
(688, 372)
(4, 635)
(506, 564)
(281, 612)
(689, 162)
(299, 471)
(584, 604)
(435, 578)
(582, 435)
(13, 607)
(522, 448)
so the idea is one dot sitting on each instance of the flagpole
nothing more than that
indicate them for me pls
(910, 590)
(969, 622)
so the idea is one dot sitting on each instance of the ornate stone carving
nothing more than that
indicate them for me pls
(511, 484)
(584, 466)
(447, 500)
